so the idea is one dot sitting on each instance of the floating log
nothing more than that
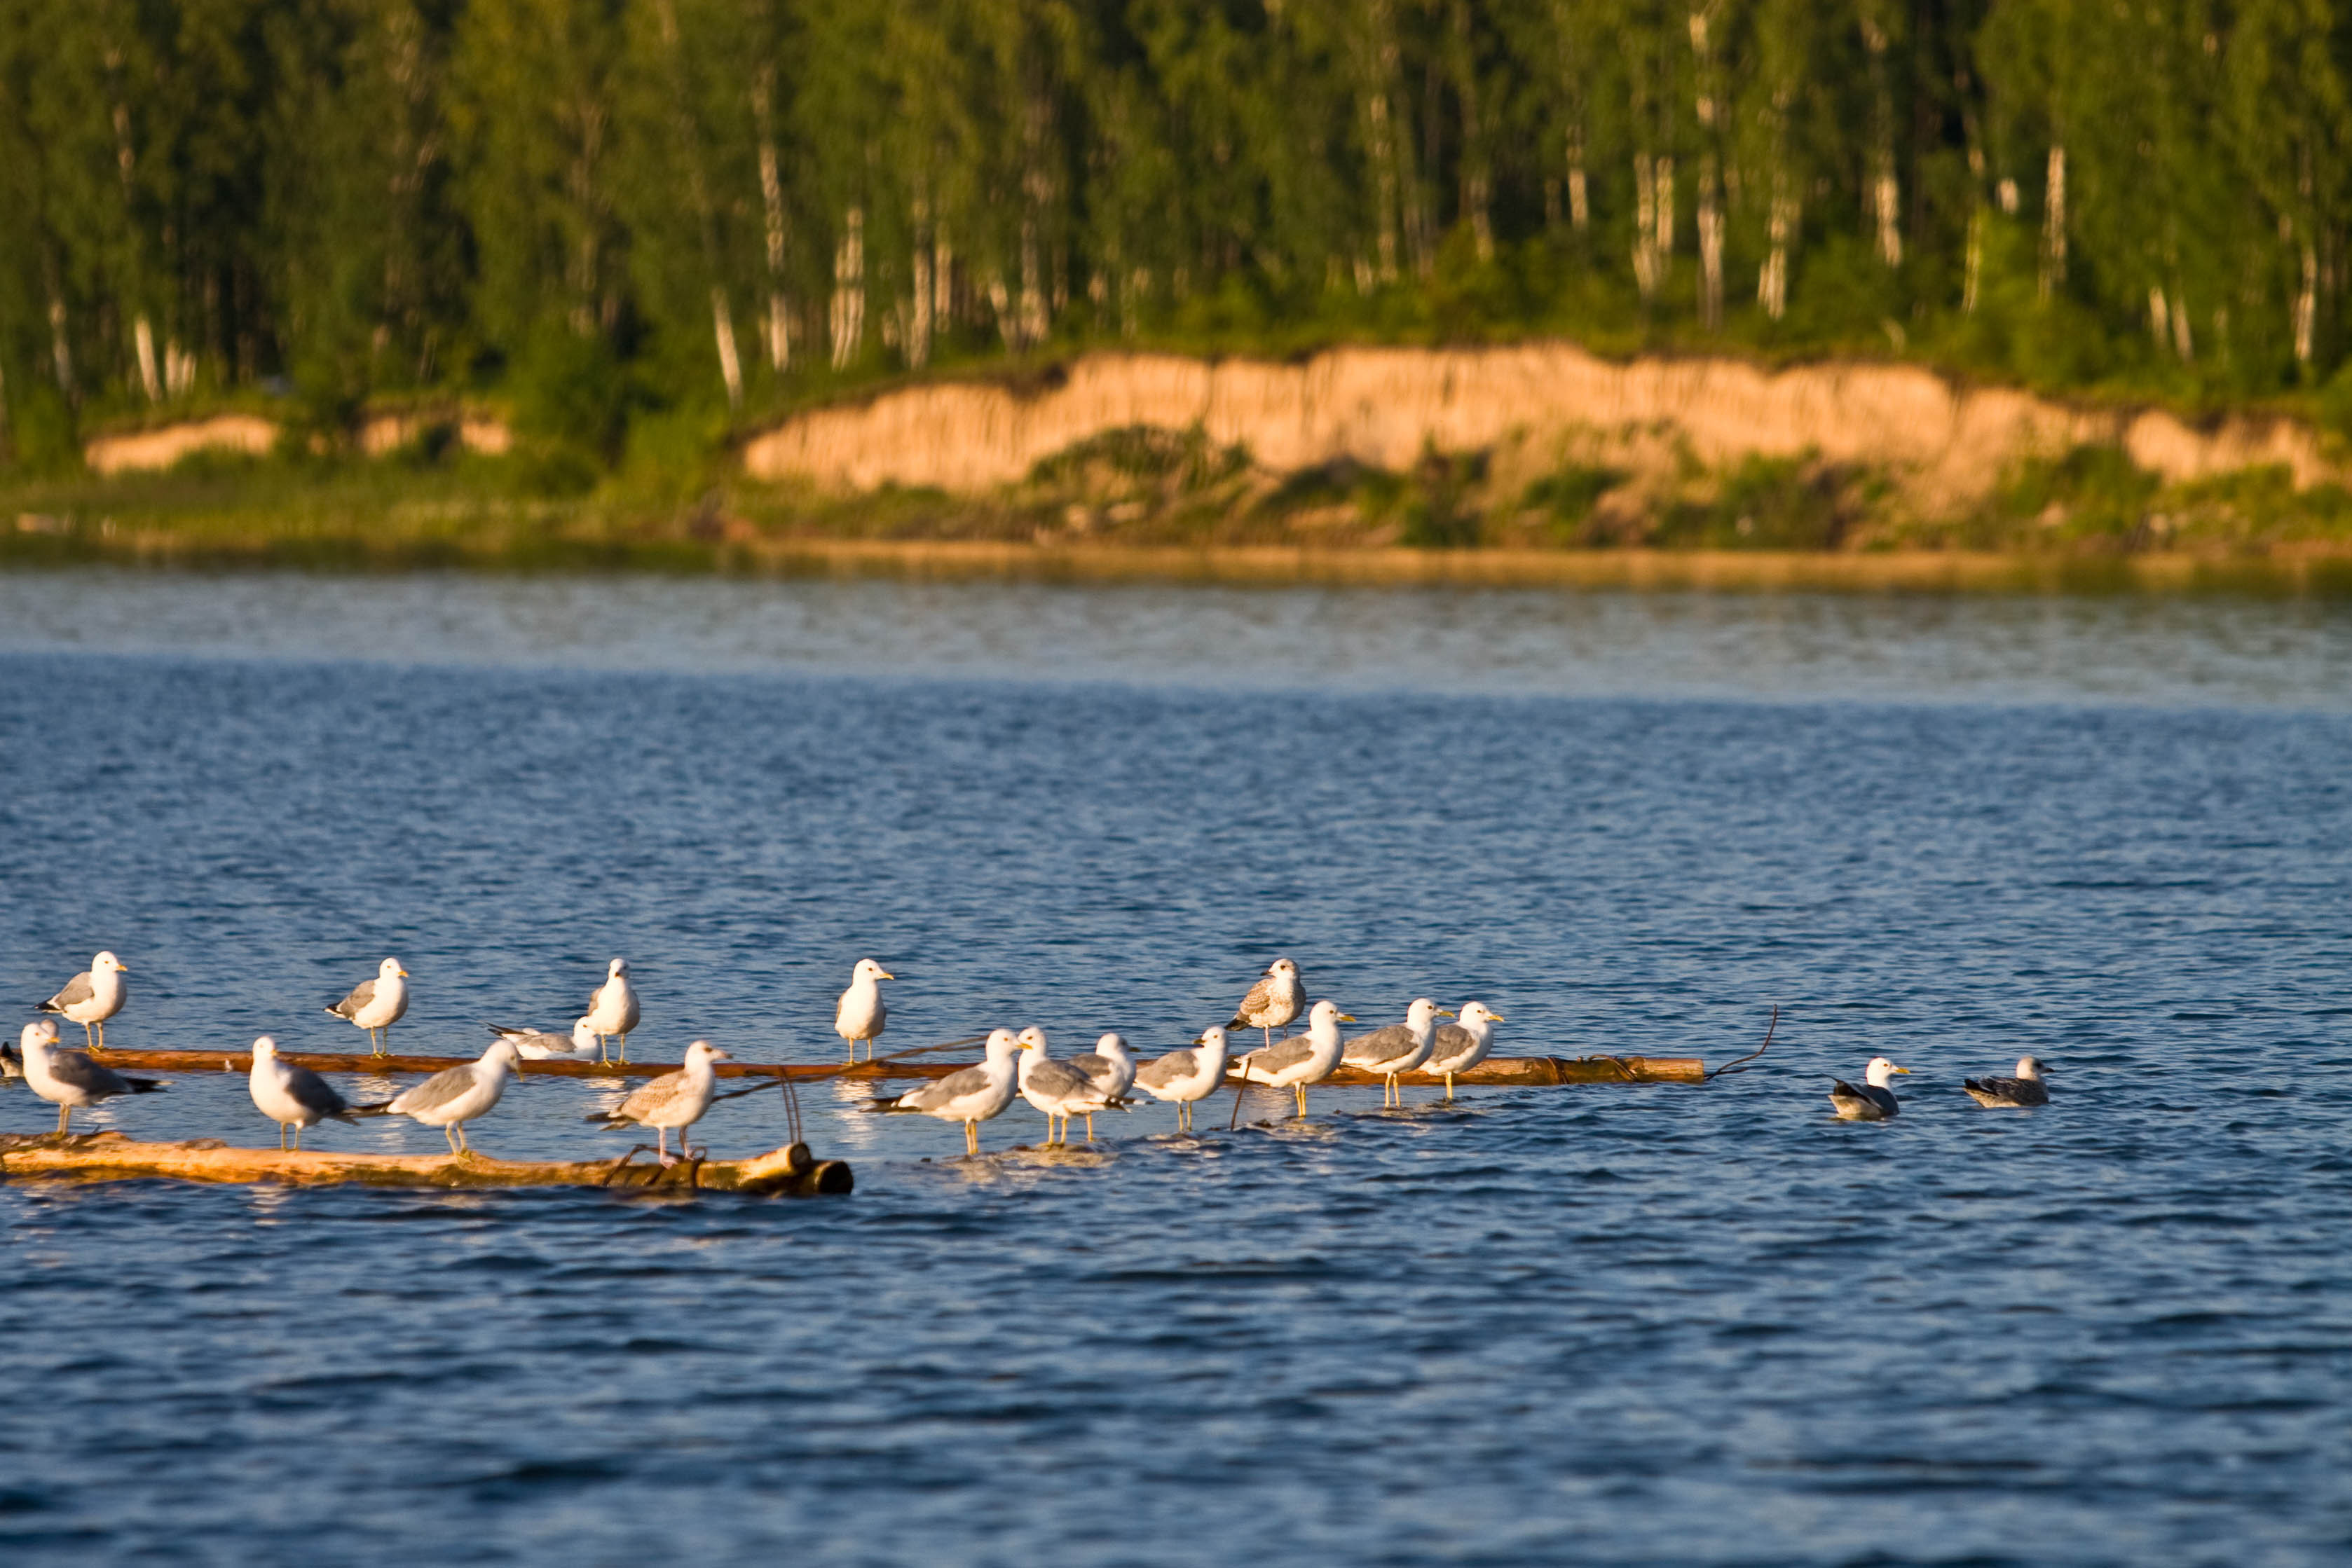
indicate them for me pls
(790, 1171)
(1522, 1070)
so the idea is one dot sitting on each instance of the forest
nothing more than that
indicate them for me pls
(601, 210)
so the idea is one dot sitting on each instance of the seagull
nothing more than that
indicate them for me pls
(1273, 1002)
(1399, 1048)
(861, 1013)
(613, 1007)
(292, 1095)
(1184, 1077)
(1462, 1046)
(1058, 1088)
(69, 1078)
(376, 1005)
(1299, 1061)
(1874, 1102)
(674, 1100)
(970, 1094)
(2026, 1089)
(1111, 1067)
(533, 1046)
(455, 1096)
(92, 997)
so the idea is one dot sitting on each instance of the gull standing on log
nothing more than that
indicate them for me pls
(1875, 1100)
(1184, 1078)
(1297, 1062)
(376, 1005)
(2026, 1089)
(69, 1078)
(1462, 1046)
(455, 1096)
(1276, 999)
(1111, 1067)
(1058, 1088)
(1399, 1048)
(613, 1007)
(92, 997)
(970, 1094)
(533, 1045)
(861, 1013)
(292, 1094)
(674, 1100)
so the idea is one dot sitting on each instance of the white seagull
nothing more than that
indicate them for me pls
(1111, 1066)
(1462, 1046)
(1399, 1048)
(456, 1096)
(1058, 1088)
(69, 1078)
(861, 1013)
(1273, 1002)
(533, 1045)
(674, 1100)
(376, 1005)
(292, 1094)
(1874, 1102)
(1184, 1078)
(613, 1007)
(2024, 1090)
(1297, 1062)
(970, 1094)
(92, 997)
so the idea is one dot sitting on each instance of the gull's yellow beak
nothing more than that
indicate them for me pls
(1497, 1018)
(402, 973)
(722, 1055)
(1346, 1018)
(1445, 1012)
(888, 975)
(1901, 1069)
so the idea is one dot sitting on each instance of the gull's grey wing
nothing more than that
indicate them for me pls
(1100, 1071)
(2006, 1091)
(649, 1100)
(439, 1089)
(1452, 1039)
(361, 994)
(1168, 1069)
(75, 1070)
(940, 1092)
(314, 1093)
(77, 991)
(1380, 1045)
(1059, 1079)
(1281, 1055)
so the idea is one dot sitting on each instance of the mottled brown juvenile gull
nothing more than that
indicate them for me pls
(533, 1045)
(2024, 1090)
(613, 1006)
(861, 1013)
(674, 1100)
(1184, 1078)
(1399, 1048)
(1057, 1089)
(292, 1094)
(376, 1005)
(1462, 1046)
(69, 1078)
(1875, 1100)
(456, 1095)
(1300, 1061)
(1273, 1002)
(970, 1094)
(92, 997)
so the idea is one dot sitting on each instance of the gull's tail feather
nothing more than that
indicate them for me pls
(887, 1103)
(380, 1108)
(146, 1085)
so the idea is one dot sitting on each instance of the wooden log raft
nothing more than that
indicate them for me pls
(1524, 1070)
(790, 1171)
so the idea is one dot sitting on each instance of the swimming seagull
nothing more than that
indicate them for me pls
(1185, 1077)
(861, 1014)
(2026, 1089)
(1297, 1062)
(456, 1095)
(69, 1078)
(613, 1007)
(1462, 1046)
(970, 1094)
(533, 1045)
(376, 1005)
(1874, 1102)
(1399, 1048)
(92, 997)
(674, 1100)
(292, 1095)
(1111, 1067)
(1058, 1088)
(1273, 1002)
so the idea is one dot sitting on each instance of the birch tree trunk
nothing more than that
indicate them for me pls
(771, 202)
(60, 350)
(1710, 194)
(918, 330)
(1885, 191)
(848, 315)
(2053, 223)
(2306, 306)
(1477, 179)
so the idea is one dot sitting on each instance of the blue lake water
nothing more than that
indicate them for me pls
(1659, 1324)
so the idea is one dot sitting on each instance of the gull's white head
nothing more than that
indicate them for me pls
(502, 1052)
(2029, 1067)
(1325, 1017)
(702, 1053)
(389, 969)
(618, 969)
(1213, 1037)
(584, 1034)
(870, 971)
(1002, 1045)
(1283, 969)
(1476, 1013)
(1113, 1045)
(265, 1049)
(39, 1035)
(1034, 1038)
(1881, 1072)
(1425, 1014)
(108, 964)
